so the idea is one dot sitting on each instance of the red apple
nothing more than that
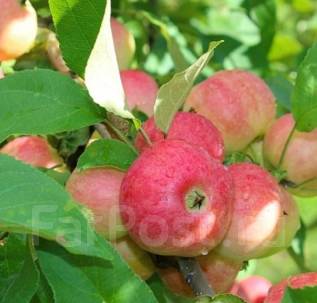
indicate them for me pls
(32, 150)
(140, 90)
(300, 161)
(265, 217)
(220, 273)
(253, 289)
(190, 127)
(98, 189)
(238, 103)
(139, 260)
(176, 200)
(124, 43)
(276, 292)
(18, 29)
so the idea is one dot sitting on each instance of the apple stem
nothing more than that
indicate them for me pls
(121, 135)
(280, 162)
(102, 131)
(194, 277)
(145, 136)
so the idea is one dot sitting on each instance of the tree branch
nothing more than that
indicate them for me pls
(194, 277)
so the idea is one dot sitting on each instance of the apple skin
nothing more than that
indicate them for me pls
(190, 127)
(18, 29)
(265, 217)
(219, 271)
(300, 162)
(139, 260)
(140, 90)
(253, 289)
(238, 103)
(124, 43)
(98, 189)
(32, 150)
(176, 200)
(276, 292)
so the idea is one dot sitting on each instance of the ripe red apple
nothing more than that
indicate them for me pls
(265, 217)
(253, 289)
(124, 43)
(238, 103)
(140, 90)
(98, 189)
(276, 292)
(300, 161)
(139, 260)
(220, 273)
(190, 127)
(32, 150)
(18, 29)
(176, 200)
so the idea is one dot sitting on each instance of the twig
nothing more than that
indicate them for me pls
(102, 131)
(194, 277)
(280, 162)
(299, 262)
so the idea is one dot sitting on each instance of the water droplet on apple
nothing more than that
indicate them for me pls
(204, 252)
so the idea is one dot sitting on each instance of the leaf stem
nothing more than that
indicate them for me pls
(194, 277)
(299, 262)
(102, 131)
(145, 136)
(120, 135)
(280, 162)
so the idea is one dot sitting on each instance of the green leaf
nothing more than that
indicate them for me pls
(163, 294)
(44, 293)
(302, 295)
(102, 76)
(44, 102)
(170, 34)
(25, 284)
(304, 101)
(31, 202)
(12, 255)
(68, 282)
(113, 281)
(282, 90)
(77, 24)
(172, 95)
(108, 153)
(298, 243)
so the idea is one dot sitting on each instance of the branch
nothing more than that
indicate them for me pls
(194, 277)
(102, 131)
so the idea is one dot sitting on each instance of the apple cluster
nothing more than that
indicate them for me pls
(181, 197)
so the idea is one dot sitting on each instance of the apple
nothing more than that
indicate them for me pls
(54, 54)
(265, 217)
(238, 103)
(140, 90)
(190, 127)
(139, 260)
(98, 189)
(176, 200)
(219, 271)
(253, 289)
(124, 43)
(276, 292)
(18, 29)
(300, 162)
(32, 150)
